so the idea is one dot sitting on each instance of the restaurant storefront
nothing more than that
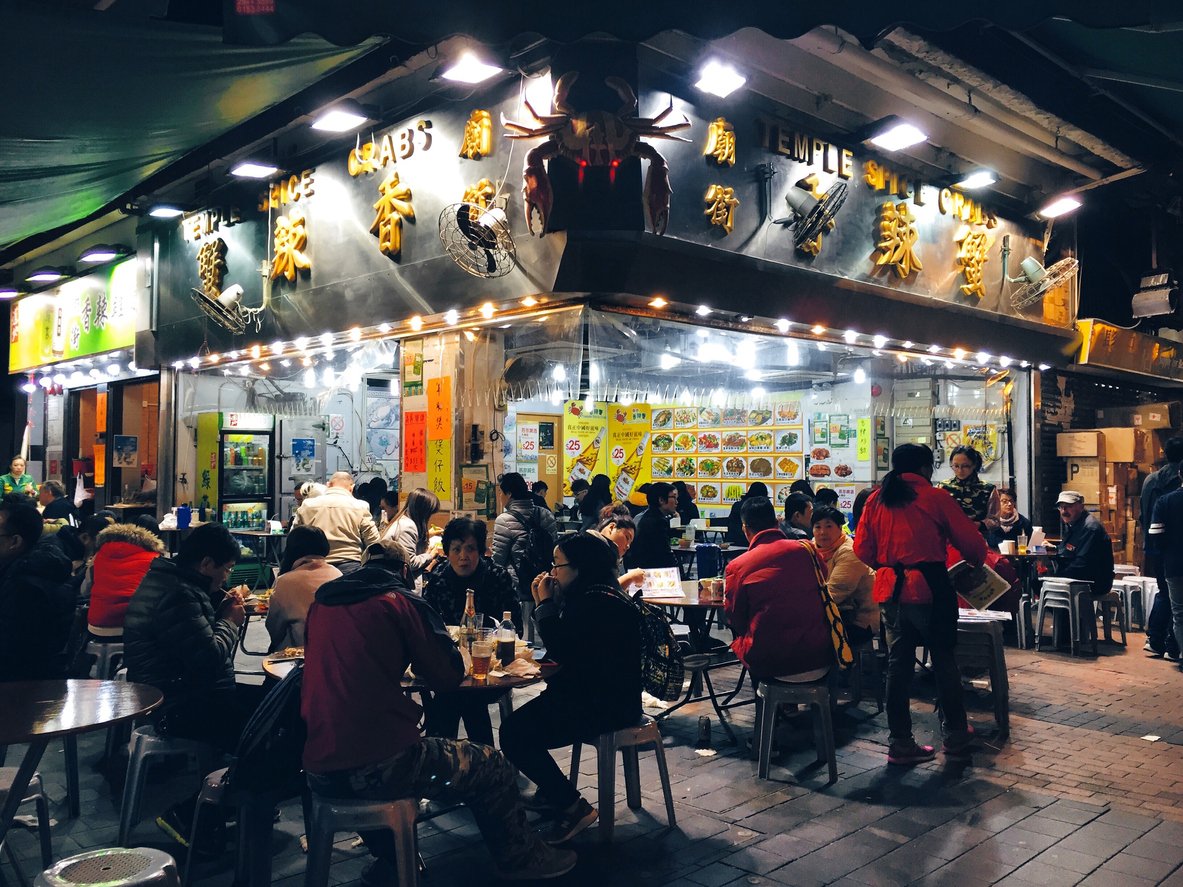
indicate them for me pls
(407, 326)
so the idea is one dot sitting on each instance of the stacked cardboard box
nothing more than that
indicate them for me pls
(1107, 466)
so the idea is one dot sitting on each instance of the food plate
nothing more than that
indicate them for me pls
(760, 417)
(708, 442)
(685, 417)
(788, 442)
(663, 466)
(788, 413)
(663, 419)
(735, 441)
(734, 466)
(684, 466)
(735, 417)
(733, 493)
(760, 466)
(708, 493)
(709, 417)
(760, 441)
(710, 466)
(662, 443)
(684, 442)
(787, 467)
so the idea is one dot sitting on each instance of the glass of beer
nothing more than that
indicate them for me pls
(482, 655)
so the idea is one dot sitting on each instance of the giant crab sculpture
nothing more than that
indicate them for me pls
(598, 139)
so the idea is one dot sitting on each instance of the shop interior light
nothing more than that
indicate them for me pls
(416, 323)
(1024, 363)
(657, 302)
(979, 178)
(29, 386)
(817, 329)
(355, 334)
(256, 352)
(668, 361)
(879, 341)
(277, 347)
(793, 354)
(8, 291)
(452, 317)
(893, 134)
(933, 349)
(782, 325)
(1060, 206)
(702, 310)
(470, 335)
(300, 343)
(745, 318)
(1044, 367)
(344, 116)
(559, 373)
(103, 253)
(329, 377)
(902, 358)
(959, 353)
(59, 379)
(326, 340)
(195, 362)
(165, 211)
(821, 346)
(758, 392)
(384, 328)
(984, 357)
(860, 375)
(285, 363)
(265, 367)
(1004, 361)
(528, 302)
(113, 370)
(253, 169)
(850, 337)
(488, 310)
(909, 345)
(47, 274)
(719, 79)
(470, 69)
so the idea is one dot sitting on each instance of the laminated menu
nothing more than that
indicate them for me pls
(979, 587)
(662, 582)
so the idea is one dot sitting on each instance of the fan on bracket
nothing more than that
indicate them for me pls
(226, 310)
(478, 239)
(1038, 281)
(812, 215)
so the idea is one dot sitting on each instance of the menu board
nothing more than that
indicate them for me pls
(718, 452)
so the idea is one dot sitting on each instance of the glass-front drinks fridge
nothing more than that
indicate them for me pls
(235, 476)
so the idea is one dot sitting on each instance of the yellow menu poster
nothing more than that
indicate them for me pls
(628, 442)
(584, 451)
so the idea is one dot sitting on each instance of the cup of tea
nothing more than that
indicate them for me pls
(1006, 547)
(706, 588)
(683, 543)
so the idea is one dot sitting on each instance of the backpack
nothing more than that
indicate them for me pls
(662, 669)
(271, 746)
(533, 553)
(843, 655)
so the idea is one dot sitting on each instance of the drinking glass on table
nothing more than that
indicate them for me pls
(482, 654)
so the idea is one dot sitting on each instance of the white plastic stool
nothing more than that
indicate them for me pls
(629, 741)
(113, 868)
(110, 657)
(146, 744)
(34, 795)
(815, 693)
(332, 815)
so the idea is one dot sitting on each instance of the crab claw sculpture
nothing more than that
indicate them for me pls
(595, 138)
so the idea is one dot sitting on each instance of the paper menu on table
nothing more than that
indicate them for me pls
(662, 582)
(977, 586)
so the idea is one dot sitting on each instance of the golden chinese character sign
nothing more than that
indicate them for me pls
(972, 254)
(394, 196)
(477, 142)
(721, 203)
(897, 239)
(211, 266)
(720, 144)
(393, 205)
(291, 239)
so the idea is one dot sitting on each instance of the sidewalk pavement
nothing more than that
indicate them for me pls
(1086, 790)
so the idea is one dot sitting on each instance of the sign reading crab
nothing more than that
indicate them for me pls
(595, 138)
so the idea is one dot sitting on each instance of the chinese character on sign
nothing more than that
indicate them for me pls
(206, 480)
(720, 142)
(897, 239)
(972, 255)
(478, 136)
(100, 310)
(721, 204)
(291, 237)
(211, 266)
(392, 207)
(481, 194)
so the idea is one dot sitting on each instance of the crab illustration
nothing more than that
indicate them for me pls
(599, 139)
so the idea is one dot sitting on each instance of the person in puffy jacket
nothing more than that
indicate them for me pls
(123, 555)
(509, 535)
(903, 533)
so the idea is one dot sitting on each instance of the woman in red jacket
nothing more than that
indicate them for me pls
(903, 532)
(123, 556)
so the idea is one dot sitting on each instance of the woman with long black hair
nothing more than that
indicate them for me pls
(903, 533)
(409, 529)
(598, 495)
(596, 637)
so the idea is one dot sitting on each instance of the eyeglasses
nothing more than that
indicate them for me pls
(557, 565)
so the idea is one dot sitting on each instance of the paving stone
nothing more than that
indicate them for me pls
(1138, 866)
(1046, 875)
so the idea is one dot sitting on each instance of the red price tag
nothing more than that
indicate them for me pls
(618, 453)
(528, 445)
(573, 445)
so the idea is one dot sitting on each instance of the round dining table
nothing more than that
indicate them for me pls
(279, 667)
(34, 712)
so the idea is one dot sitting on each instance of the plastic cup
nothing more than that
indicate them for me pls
(482, 657)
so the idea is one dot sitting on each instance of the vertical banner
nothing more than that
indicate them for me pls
(864, 440)
(584, 453)
(415, 442)
(439, 408)
(412, 374)
(439, 468)
(628, 442)
(100, 465)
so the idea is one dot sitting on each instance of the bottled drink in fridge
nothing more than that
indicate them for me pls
(507, 639)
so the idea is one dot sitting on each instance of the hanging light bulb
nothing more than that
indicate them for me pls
(860, 375)
(309, 378)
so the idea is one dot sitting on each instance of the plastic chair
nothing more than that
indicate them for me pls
(771, 694)
(1111, 605)
(35, 795)
(145, 744)
(862, 654)
(113, 868)
(1130, 590)
(109, 656)
(1065, 594)
(1124, 570)
(979, 645)
(332, 815)
(628, 741)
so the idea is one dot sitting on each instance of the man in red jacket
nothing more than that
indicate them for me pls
(363, 630)
(772, 601)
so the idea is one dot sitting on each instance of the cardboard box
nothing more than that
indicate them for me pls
(1125, 444)
(1093, 492)
(1086, 469)
(1081, 443)
(1146, 416)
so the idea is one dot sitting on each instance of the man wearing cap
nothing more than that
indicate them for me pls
(1085, 551)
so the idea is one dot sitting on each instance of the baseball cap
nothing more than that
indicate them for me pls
(1069, 497)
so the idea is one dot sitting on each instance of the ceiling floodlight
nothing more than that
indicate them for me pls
(470, 69)
(894, 134)
(165, 211)
(253, 169)
(1060, 206)
(8, 291)
(719, 79)
(344, 116)
(46, 275)
(979, 178)
(103, 253)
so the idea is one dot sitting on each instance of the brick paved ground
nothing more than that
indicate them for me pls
(1076, 796)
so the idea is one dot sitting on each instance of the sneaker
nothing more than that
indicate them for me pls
(543, 863)
(539, 803)
(909, 754)
(1151, 650)
(1172, 657)
(571, 822)
(958, 747)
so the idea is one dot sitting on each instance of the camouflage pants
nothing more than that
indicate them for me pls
(445, 770)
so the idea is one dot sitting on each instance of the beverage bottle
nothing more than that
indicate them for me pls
(507, 638)
(585, 462)
(629, 470)
(468, 624)
(202, 510)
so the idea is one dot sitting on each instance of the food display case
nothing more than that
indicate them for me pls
(235, 468)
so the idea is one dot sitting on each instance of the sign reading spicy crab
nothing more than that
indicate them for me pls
(598, 138)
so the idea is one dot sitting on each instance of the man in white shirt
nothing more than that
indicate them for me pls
(346, 521)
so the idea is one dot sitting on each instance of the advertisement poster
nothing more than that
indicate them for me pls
(628, 442)
(472, 479)
(100, 465)
(584, 452)
(528, 443)
(126, 451)
(439, 469)
(382, 437)
(412, 374)
(439, 408)
(415, 442)
(303, 454)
